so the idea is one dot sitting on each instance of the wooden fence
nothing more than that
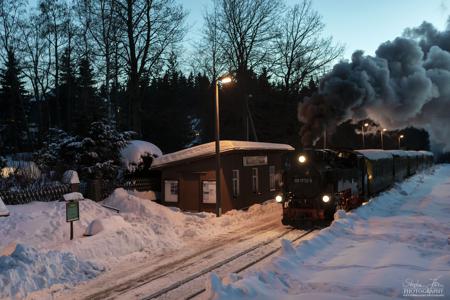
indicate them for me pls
(96, 190)
(46, 194)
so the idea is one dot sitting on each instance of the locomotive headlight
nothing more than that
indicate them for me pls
(326, 198)
(279, 198)
(302, 159)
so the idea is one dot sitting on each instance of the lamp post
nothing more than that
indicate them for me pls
(382, 144)
(399, 140)
(220, 80)
(362, 128)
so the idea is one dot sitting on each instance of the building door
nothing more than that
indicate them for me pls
(190, 192)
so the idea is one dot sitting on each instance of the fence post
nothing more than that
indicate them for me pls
(95, 189)
(71, 177)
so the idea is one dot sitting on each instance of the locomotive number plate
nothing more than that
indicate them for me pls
(303, 180)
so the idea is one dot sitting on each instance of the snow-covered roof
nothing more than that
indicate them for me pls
(398, 152)
(413, 153)
(375, 154)
(378, 154)
(133, 152)
(209, 149)
(426, 153)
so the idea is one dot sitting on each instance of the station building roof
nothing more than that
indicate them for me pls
(208, 150)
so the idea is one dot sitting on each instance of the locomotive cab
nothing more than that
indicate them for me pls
(314, 183)
(307, 193)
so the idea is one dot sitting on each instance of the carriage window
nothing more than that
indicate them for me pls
(255, 185)
(272, 178)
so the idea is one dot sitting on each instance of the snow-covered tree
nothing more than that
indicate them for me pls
(96, 155)
(49, 157)
(100, 151)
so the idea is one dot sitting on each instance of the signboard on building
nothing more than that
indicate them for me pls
(209, 192)
(250, 161)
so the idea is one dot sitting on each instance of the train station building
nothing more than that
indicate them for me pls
(250, 173)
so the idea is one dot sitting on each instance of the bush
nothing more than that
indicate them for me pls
(96, 155)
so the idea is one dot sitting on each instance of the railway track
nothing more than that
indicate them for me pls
(246, 253)
(136, 276)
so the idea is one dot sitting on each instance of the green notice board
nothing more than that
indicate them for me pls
(72, 211)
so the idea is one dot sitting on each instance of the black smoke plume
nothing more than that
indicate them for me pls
(406, 83)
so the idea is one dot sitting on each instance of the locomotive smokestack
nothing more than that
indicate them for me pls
(405, 83)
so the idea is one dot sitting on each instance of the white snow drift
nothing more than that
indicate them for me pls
(103, 238)
(397, 245)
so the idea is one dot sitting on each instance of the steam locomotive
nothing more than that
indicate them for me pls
(316, 182)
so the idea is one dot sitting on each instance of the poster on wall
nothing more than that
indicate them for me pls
(209, 192)
(170, 190)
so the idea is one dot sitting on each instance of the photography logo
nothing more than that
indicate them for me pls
(413, 288)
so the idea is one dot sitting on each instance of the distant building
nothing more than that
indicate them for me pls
(251, 172)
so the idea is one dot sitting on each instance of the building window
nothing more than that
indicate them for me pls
(171, 190)
(209, 191)
(255, 181)
(235, 183)
(272, 178)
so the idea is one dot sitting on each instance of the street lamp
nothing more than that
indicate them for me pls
(219, 81)
(399, 140)
(362, 128)
(383, 130)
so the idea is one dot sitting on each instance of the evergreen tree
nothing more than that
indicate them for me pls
(99, 153)
(90, 106)
(169, 116)
(50, 156)
(203, 97)
(13, 102)
(67, 90)
(96, 155)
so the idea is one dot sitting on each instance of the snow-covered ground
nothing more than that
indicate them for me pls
(398, 242)
(37, 257)
(395, 247)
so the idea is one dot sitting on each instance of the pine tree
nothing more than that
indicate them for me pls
(15, 134)
(99, 155)
(67, 89)
(51, 157)
(90, 107)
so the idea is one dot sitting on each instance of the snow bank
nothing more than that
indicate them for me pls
(149, 195)
(209, 149)
(3, 210)
(141, 228)
(26, 270)
(133, 152)
(396, 241)
(112, 223)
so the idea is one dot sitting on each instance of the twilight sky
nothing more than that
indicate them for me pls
(358, 24)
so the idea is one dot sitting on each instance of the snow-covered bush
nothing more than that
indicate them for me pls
(19, 174)
(137, 157)
(100, 151)
(49, 157)
(96, 155)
